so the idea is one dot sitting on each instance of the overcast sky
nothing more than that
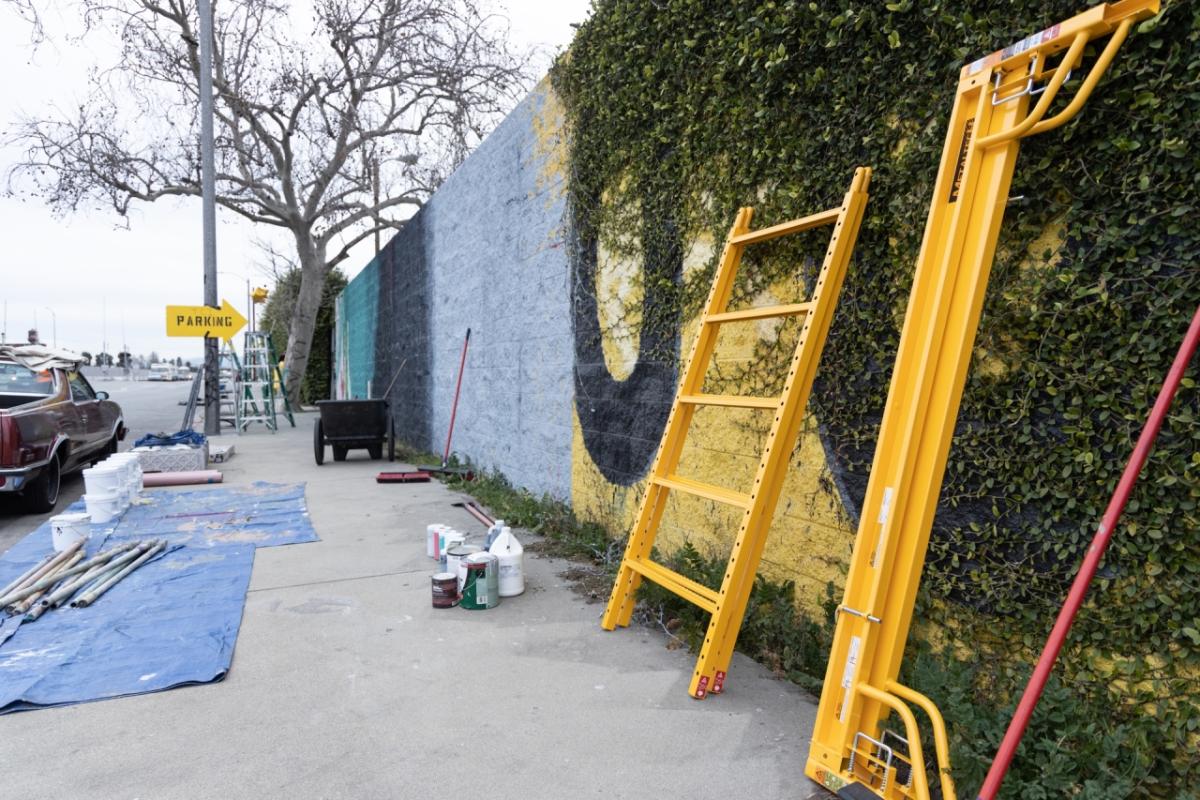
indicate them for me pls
(88, 275)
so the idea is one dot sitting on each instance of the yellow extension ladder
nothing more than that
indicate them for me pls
(727, 605)
(851, 753)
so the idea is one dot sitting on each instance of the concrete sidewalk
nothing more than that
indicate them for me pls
(346, 683)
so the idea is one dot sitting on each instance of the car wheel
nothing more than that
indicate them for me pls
(41, 495)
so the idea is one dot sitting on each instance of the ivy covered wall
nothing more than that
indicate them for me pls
(680, 111)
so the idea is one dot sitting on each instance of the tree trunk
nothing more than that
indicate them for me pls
(313, 271)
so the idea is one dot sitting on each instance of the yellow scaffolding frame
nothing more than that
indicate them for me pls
(850, 753)
(727, 605)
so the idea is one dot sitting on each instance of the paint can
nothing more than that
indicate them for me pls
(481, 587)
(431, 539)
(450, 540)
(445, 590)
(454, 561)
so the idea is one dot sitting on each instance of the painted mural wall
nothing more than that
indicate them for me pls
(567, 388)
(486, 253)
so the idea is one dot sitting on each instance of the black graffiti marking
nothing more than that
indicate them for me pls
(622, 420)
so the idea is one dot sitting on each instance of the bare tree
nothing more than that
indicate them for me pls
(330, 136)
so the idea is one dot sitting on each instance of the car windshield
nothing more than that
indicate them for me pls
(18, 379)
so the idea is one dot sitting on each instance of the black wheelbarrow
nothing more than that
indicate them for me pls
(348, 425)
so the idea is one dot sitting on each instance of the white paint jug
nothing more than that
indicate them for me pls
(511, 556)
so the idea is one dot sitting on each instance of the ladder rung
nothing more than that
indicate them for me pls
(762, 312)
(731, 400)
(706, 490)
(695, 593)
(784, 228)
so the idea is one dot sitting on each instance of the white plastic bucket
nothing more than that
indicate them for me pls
(102, 507)
(103, 479)
(131, 468)
(67, 529)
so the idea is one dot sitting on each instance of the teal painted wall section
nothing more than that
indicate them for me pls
(357, 309)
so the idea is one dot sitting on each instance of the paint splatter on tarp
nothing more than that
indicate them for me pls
(148, 632)
(262, 514)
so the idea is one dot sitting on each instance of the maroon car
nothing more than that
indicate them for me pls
(51, 422)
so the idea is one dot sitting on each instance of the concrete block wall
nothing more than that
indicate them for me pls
(486, 253)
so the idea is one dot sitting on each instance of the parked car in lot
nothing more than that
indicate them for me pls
(52, 422)
(162, 372)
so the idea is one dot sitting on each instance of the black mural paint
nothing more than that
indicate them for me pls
(622, 420)
(402, 325)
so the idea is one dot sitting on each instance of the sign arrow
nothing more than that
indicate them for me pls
(221, 323)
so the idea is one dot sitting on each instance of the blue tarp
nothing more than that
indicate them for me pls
(170, 623)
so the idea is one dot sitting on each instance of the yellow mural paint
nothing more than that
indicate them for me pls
(550, 150)
(811, 536)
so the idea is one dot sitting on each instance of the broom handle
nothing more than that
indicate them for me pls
(454, 409)
(1066, 616)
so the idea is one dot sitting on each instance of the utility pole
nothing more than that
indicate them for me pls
(212, 396)
(375, 188)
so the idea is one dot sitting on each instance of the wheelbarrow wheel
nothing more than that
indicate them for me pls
(318, 443)
(391, 442)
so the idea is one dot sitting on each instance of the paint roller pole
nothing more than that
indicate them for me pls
(1066, 616)
(454, 409)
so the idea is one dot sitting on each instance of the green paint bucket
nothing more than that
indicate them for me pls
(481, 589)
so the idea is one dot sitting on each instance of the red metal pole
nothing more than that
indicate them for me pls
(1062, 626)
(454, 409)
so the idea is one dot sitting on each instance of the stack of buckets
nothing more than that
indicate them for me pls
(111, 485)
(470, 576)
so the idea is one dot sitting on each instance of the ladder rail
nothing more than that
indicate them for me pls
(619, 610)
(772, 470)
(727, 605)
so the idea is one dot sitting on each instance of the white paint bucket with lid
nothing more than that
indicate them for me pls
(132, 466)
(103, 507)
(67, 529)
(103, 480)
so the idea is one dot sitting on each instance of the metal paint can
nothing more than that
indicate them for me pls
(445, 590)
(481, 587)
(454, 561)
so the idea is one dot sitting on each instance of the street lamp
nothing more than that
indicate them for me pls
(53, 326)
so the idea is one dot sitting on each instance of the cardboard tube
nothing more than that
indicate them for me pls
(181, 478)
